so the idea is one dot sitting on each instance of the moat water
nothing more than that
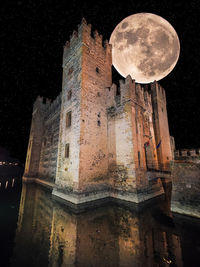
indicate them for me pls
(36, 230)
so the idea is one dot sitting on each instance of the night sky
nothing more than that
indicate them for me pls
(32, 37)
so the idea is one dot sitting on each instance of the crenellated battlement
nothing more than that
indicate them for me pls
(41, 103)
(44, 100)
(54, 104)
(111, 95)
(129, 90)
(139, 92)
(84, 36)
(187, 153)
(47, 105)
(96, 39)
(158, 92)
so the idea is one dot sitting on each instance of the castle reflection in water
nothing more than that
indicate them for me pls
(49, 234)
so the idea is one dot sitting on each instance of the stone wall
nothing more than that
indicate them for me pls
(131, 137)
(185, 188)
(130, 127)
(43, 141)
(161, 127)
(86, 73)
(67, 173)
(35, 139)
(187, 154)
(49, 146)
(96, 78)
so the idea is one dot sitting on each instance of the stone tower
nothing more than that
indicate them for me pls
(35, 139)
(82, 149)
(161, 127)
(132, 146)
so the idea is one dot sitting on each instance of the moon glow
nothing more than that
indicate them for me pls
(144, 46)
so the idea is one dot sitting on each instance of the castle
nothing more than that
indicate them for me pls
(96, 140)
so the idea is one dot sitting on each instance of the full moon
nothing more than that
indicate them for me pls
(145, 46)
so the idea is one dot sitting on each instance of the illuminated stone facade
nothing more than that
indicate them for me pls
(112, 141)
(185, 170)
(42, 152)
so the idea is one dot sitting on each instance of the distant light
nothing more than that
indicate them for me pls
(168, 261)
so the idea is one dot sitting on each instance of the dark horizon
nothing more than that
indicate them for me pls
(32, 42)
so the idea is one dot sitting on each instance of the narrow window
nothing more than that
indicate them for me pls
(99, 123)
(139, 158)
(136, 125)
(118, 92)
(67, 151)
(68, 119)
(45, 141)
(69, 95)
(70, 71)
(97, 70)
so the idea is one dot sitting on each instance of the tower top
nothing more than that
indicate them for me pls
(84, 33)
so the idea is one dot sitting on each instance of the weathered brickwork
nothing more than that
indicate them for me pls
(49, 148)
(99, 140)
(188, 154)
(43, 142)
(186, 185)
(68, 167)
(161, 127)
(35, 139)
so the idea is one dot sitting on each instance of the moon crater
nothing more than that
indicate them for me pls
(144, 46)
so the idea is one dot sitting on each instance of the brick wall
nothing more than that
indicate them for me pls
(186, 187)
(49, 145)
(161, 127)
(96, 78)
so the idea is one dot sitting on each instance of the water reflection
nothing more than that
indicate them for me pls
(9, 208)
(7, 183)
(49, 234)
